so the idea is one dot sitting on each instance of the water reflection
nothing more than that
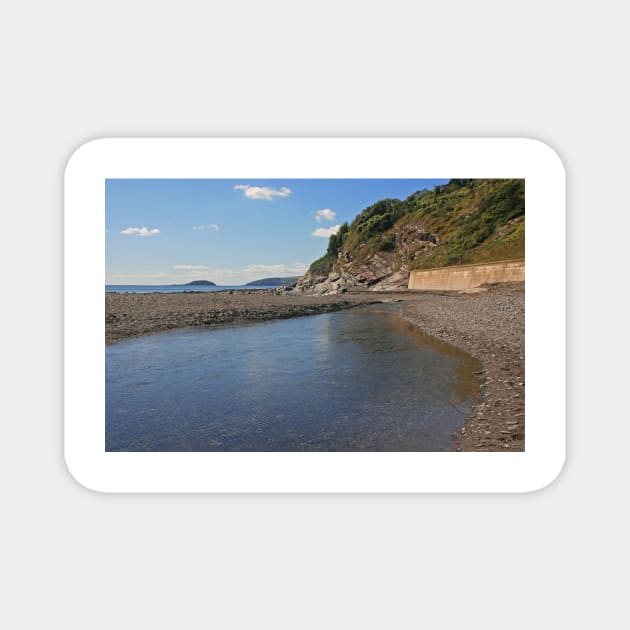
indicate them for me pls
(465, 386)
(349, 381)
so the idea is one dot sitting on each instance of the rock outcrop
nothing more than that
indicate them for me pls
(376, 274)
(384, 270)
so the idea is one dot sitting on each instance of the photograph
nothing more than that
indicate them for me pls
(324, 314)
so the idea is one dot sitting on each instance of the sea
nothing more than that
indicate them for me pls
(166, 288)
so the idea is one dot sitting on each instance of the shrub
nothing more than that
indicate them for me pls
(388, 245)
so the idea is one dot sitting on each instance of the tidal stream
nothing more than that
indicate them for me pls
(359, 380)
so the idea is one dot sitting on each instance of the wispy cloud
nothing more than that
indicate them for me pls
(190, 267)
(140, 231)
(326, 232)
(135, 278)
(263, 192)
(256, 272)
(295, 268)
(209, 226)
(326, 214)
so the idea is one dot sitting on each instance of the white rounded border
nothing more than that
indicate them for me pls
(290, 158)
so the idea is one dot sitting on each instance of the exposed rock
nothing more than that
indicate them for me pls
(379, 273)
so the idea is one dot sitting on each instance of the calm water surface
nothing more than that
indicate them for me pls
(360, 380)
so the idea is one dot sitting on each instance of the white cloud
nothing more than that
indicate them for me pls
(326, 213)
(141, 231)
(263, 192)
(326, 232)
(190, 267)
(210, 226)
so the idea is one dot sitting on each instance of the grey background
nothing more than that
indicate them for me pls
(72, 71)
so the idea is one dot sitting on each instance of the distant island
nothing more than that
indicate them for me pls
(196, 283)
(274, 282)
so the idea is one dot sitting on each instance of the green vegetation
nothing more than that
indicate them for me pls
(387, 245)
(471, 218)
(378, 217)
(464, 221)
(323, 266)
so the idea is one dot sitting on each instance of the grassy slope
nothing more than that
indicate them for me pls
(465, 221)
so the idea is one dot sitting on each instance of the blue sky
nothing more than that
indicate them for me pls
(165, 231)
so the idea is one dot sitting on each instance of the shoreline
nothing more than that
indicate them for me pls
(489, 325)
(130, 315)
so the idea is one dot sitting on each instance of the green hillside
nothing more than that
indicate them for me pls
(464, 221)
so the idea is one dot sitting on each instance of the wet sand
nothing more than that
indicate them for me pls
(489, 325)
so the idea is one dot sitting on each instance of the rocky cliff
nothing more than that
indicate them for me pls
(464, 221)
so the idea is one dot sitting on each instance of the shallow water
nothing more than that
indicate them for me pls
(361, 380)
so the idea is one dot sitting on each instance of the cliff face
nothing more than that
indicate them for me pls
(378, 274)
(464, 221)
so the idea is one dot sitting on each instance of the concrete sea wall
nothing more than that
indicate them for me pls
(462, 277)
